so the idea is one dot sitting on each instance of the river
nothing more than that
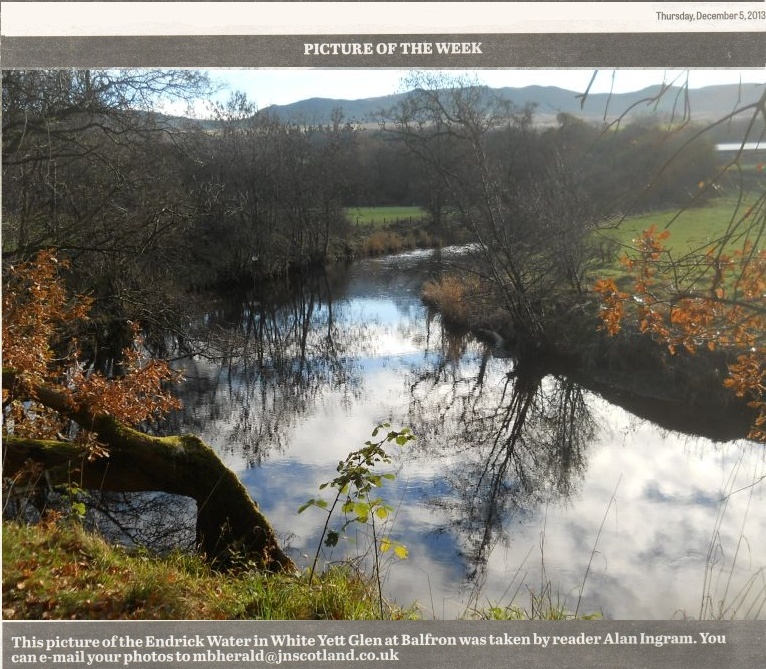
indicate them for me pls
(520, 487)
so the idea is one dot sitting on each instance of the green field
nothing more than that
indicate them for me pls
(693, 229)
(689, 229)
(381, 216)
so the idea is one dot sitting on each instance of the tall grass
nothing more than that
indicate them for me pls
(455, 297)
(382, 242)
(722, 599)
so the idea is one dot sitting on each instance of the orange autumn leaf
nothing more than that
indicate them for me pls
(40, 319)
(729, 314)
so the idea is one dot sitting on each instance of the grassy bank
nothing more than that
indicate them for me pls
(59, 571)
(385, 230)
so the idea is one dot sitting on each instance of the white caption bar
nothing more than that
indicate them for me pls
(65, 19)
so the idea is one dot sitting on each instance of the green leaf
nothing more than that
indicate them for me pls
(348, 506)
(305, 506)
(381, 512)
(385, 545)
(322, 504)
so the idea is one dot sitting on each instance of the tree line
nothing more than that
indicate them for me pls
(138, 198)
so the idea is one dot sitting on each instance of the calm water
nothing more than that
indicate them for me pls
(514, 481)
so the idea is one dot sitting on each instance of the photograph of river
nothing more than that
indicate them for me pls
(434, 344)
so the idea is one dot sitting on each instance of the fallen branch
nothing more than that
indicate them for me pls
(229, 522)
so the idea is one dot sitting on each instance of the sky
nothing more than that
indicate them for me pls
(283, 86)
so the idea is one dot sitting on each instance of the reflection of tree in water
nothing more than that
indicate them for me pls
(513, 439)
(269, 363)
(158, 521)
(278, 356)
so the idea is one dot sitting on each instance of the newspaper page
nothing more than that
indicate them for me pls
(404, 334)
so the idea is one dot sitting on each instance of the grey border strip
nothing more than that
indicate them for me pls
(560, 50)
(631, 644)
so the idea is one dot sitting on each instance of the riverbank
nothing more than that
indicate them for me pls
(402, 234)
(681, 391)
(362, 241)
(57, 570)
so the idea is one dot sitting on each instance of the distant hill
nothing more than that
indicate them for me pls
(705, 103)
(320, 110)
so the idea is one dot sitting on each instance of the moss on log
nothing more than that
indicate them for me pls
(229, 522)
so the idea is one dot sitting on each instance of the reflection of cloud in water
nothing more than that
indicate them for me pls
(555, 487)
(650, 558)
(428, 576)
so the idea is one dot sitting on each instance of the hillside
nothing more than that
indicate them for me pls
(705, 103)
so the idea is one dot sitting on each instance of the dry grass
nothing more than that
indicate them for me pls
(456, 298)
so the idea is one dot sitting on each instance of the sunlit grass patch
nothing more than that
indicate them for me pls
(380, 216)
(692, 230)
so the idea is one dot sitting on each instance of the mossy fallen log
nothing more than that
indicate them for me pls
(229, 522)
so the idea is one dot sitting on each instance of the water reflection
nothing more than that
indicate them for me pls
(521, 437)
(285, 351)
(511, 463)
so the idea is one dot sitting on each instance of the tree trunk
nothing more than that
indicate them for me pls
(229, 523)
